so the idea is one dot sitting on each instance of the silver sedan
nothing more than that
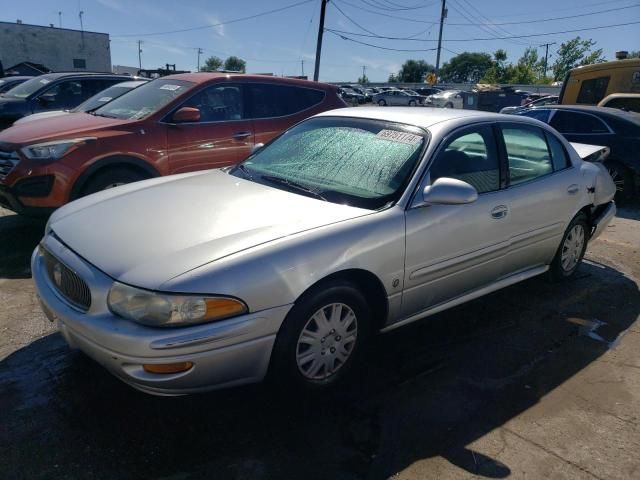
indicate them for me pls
(353, 222)
(398, 98)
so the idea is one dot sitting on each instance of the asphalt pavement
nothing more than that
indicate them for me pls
(539, 380)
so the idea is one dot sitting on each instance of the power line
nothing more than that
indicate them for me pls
(491, 38)
(386, 15)
(551, 19)
(369, 31)
(212, 25)
(381, 6)
(491, 31)
(598, 4)
(378, 46)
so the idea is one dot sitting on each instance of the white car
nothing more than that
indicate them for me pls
(446, 99)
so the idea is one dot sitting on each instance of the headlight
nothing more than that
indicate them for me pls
(53, 150)
(168, 310)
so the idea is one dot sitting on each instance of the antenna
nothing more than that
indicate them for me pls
(60, 19)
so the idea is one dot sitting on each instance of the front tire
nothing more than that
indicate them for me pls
(412, 103)
(323, 338)
(113, 177)
(571, 250)
(448, 105)
(382, 103)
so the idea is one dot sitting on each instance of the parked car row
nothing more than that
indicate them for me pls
(52, 91)
(174, 124)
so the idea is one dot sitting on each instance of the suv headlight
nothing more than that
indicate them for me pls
(53, 150)
(169, 310)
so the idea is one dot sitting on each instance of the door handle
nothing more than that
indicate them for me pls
(241, 135)
(500, 211)
(573, 189)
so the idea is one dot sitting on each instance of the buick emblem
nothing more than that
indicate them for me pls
(57, 275)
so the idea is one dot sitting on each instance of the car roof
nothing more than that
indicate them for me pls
(131, 84)
(57, 75)
(594, 110)
(203, 77)
(16, 77)
(620, 95)
(421, 117)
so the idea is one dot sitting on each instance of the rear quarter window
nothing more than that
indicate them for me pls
(266, 101)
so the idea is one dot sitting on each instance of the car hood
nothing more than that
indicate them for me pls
(40, 116)
(147, 233)
(74, 125)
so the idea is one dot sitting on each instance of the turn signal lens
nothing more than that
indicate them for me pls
(223, 307)
(167, 367)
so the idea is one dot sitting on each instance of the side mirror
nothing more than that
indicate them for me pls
(186, 115)
(256, 147)
(46, 99)
(449, 191)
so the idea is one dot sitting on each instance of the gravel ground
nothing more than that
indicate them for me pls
(538, 380)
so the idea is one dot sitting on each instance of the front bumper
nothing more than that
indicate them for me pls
(10, 201)
(226, 353)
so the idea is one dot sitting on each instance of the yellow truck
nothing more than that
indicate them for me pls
(589, 84)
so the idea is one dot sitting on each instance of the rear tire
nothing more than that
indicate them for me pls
(323, 338)
(111, 178)
(623, 178)
(382, 103)
(448, 105)
(571, 250)
(412, 103)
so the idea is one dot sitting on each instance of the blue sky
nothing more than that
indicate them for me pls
(279, 42)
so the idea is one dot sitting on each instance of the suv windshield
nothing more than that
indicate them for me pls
(360, 162)
(144, 100)
(28, 88)
(102, 97)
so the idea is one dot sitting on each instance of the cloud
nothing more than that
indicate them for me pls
(219, 30)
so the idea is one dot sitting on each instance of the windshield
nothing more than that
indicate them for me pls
(101, 98)
(144, 100)
(359, 162)
(27, 88)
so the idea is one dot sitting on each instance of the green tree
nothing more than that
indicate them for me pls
(634, 54)
(235, 64)
(573, 53)
(414, 71)
(211, 64)
(392, 78)
(500, 70)
(363, 80)
(467, 67)
(528, 69)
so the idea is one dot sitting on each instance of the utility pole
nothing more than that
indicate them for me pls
(364, 69)
(200, 52)
(80, 15)
(323, 8)
(60, 19)
(140, 54)
(443, 15)
(546, 55)
(302, 65)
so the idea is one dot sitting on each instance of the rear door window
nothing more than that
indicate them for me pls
(577, 123)
(268, 101)
(527, 153)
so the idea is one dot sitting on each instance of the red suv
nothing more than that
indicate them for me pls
(174, 124)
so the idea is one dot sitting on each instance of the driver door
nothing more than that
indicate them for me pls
(452, 250)
(223, 136)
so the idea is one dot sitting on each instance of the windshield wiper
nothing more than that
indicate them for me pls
(246, 171)
(292, 185)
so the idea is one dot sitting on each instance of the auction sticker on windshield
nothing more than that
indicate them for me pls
(170, 87)
(400, 137)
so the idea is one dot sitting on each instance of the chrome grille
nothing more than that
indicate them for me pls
(67, 282)
(8, 161)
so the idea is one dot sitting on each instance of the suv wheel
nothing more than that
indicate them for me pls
(111, 178)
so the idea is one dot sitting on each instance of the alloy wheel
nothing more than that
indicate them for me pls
(326, 341)
(572, 248)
